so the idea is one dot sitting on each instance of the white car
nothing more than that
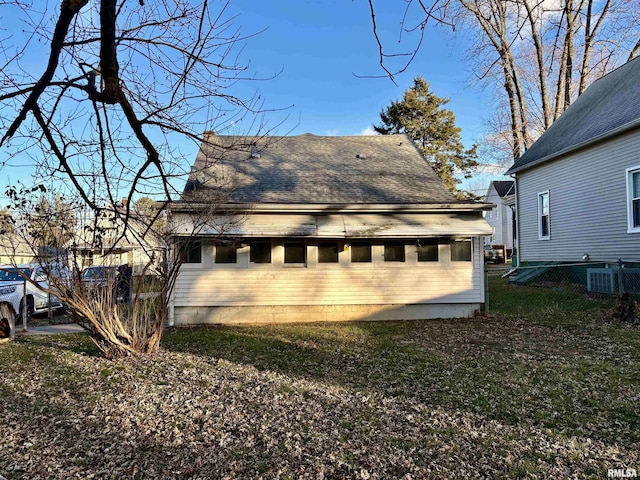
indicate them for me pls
(14, 288)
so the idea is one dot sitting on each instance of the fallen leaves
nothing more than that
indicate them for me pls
(493, 397)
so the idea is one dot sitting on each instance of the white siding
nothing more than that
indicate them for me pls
(500, 219)
(588, 211)
(379, 283)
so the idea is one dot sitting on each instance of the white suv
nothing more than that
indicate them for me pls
(14, 288)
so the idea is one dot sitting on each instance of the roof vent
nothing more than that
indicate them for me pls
(361, 155)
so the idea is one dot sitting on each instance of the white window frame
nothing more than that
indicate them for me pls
(540, 215)
(630, 198)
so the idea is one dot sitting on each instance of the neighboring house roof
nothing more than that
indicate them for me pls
(503, 187)
(310, 169)
(609, 106)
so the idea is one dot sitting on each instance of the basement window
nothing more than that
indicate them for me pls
(427, 251)
(461, 251)
(226, 254)
(260, 252)
(361, 252)
(190, 251)
(394, 251)
(328, 252)
(295, 253)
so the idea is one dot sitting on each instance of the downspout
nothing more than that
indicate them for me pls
(516, 241)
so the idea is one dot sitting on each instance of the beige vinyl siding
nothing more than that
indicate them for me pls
(378, 283)
(588, 209)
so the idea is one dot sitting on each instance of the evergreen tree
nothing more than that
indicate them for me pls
(420, 114)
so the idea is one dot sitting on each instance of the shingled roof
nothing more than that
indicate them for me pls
(609, 106)
(310, 169)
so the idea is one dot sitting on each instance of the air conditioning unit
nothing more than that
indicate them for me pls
(602, 280)
(605, 280)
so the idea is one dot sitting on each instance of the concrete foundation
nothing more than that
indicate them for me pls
(318, 313)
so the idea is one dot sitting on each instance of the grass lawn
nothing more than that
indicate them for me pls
(538, 392)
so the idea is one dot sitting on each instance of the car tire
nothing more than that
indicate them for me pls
(29, 310)
(6, 314)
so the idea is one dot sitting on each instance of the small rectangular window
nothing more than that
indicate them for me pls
(260, 252)
(461, 251)
(544, 220)
(361, 252)
(394, 251)
(295, 252)
(190, 251)
(328, 252)
(427, 251)
(226, 254)
(633, 199)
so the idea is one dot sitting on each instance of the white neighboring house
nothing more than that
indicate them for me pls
(578, 186)
(136, 247)
(311, 228)
(501, 194)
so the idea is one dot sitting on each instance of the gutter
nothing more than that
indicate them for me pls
(188, 207)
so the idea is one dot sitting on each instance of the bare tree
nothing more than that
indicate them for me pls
(123, 83)
(539, 54)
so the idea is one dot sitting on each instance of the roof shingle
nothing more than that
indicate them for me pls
(309, 169)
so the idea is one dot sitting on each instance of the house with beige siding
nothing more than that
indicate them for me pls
(578, 186)
(312, 228)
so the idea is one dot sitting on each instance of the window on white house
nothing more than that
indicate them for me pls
(544, 219)
(361, 252)
(427, 250)
(394, 251)
(461, 251)
(190, 251)
(226, 254)
(327, 252)
(295, 252)
(633, 199)
(260, 252)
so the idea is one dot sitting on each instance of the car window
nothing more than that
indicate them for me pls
(13, 274)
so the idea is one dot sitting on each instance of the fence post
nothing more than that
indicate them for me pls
(626, 302)
(24, 305)
(486, 291)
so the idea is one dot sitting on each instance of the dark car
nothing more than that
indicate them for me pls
(493, 254)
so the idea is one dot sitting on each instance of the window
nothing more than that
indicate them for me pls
(461, 251)
(190, 251)
(226, 254)
(260, 252)
(394, 251)
(295, 252)
(633, 199)
(427, 251)
(544, 224)
(361, 252)
(328, 252)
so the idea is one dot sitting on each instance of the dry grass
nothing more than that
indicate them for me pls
(498, 397)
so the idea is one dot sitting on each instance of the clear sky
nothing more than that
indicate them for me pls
(324, 46)
(319, 52)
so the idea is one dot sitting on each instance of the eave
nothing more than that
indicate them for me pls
(188, 207)
(579, 146)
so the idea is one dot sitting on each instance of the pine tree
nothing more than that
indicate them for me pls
(420, 114)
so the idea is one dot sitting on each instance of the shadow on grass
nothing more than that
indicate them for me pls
(504, 369)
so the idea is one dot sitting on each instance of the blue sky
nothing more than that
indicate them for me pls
(322, 49)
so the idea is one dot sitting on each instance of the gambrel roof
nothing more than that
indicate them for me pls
(608, 107)
(310, 169)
